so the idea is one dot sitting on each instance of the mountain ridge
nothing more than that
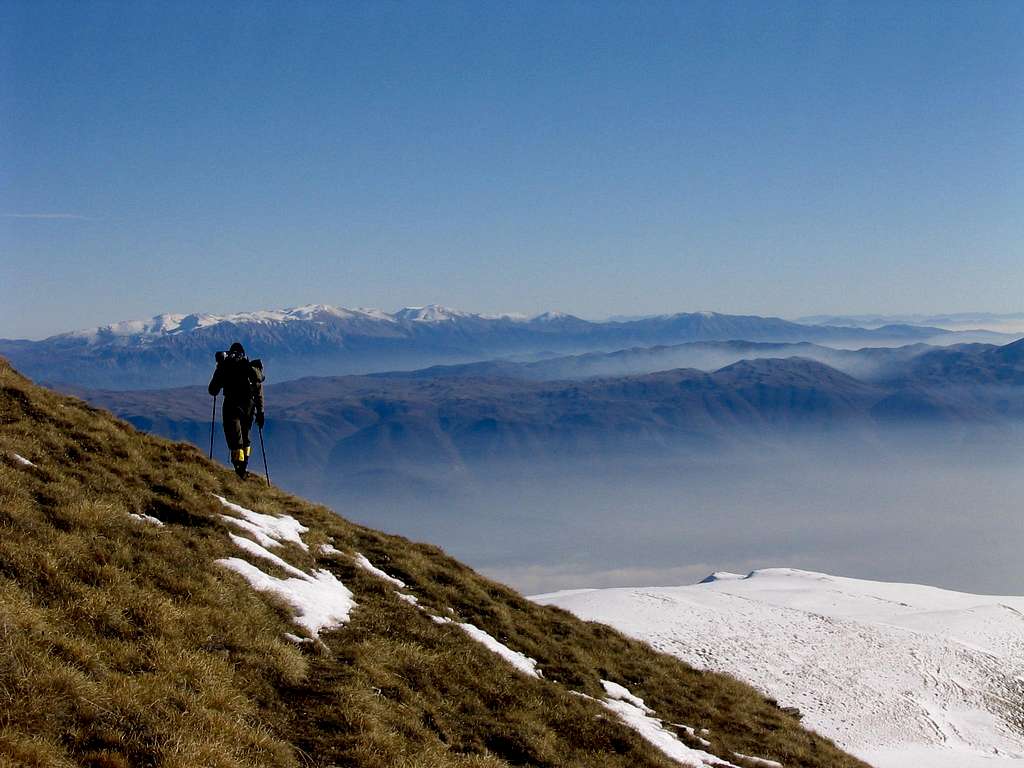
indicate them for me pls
(429, 429)
(865, 363)
(175, 349)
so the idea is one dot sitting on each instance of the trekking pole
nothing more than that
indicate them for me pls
(263, 450)
(213, 421)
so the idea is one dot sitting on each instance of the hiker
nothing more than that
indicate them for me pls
(242, 382)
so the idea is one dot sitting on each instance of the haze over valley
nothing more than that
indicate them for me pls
(645, 464)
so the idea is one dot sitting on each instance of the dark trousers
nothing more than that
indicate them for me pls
(237, 423)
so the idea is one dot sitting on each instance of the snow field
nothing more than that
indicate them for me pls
(903, 676)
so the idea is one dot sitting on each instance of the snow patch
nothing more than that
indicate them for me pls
(146, 519)
(693, 734)
(410, 599)
(518, 660)
(319, 599)
(758, 760)
(22, 460)
(638, 716)
(330, 550)
(255, 549)
(366, 565)
(270, 531)
(622, 693)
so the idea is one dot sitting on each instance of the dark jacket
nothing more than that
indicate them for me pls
(242, 382)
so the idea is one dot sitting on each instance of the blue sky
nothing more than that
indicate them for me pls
(599, 158)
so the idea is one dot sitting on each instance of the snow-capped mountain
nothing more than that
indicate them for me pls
(318, 339)
(901, 675)
(435, 313)
(175, 324)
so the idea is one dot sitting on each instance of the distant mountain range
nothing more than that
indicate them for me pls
(1012, 322)
(344, 427)
(176, 350)
(332, 430)
(869, 363)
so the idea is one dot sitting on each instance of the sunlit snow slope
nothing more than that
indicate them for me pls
(903, 676)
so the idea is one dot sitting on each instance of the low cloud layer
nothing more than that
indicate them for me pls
(940, 514)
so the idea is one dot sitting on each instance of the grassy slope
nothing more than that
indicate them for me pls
(124, 644)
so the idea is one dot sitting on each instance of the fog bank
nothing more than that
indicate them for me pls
(915, 510)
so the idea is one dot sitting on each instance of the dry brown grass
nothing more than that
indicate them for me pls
(124, 644)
